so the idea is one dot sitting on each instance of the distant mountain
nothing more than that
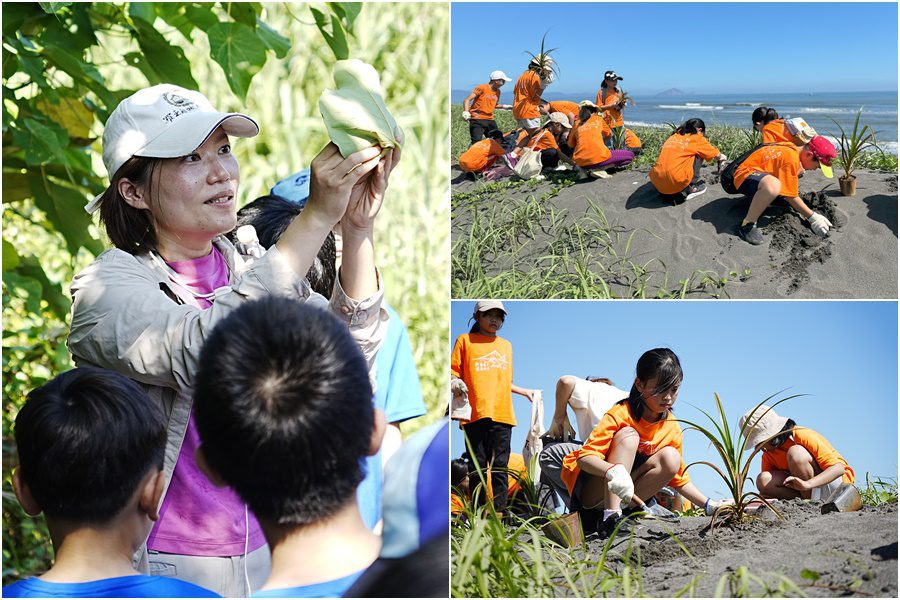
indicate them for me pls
(669, 93)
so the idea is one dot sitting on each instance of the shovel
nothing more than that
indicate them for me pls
(845, 499)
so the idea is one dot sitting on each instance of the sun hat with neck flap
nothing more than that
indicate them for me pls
(164, 121)
(764, 423)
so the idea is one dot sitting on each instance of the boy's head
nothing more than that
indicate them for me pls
(818, 154)
(89, 441)
(283, 405)
(270, 215)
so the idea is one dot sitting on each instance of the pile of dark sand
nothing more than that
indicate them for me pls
(849, 552)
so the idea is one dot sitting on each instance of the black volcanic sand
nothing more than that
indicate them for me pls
(858, 259)
(849, 551)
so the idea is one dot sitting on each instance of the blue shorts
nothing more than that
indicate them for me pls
(751, 184)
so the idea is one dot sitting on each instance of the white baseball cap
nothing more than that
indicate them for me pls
(500, 75)
(164, 121)
(486, 305)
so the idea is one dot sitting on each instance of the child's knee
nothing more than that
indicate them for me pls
(771, 185)
(566, 381)
(798, 455)
(763, 480)
(669, 460)
(627, 437)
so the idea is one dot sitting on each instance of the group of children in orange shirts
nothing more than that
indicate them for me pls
(634, 448)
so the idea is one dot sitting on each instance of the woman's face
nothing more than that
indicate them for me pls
(192, 198)
(657, 403)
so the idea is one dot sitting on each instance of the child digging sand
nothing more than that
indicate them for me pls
(91, 446)
(635, 450)
(798, 462)
(481, 365)
(285, 418)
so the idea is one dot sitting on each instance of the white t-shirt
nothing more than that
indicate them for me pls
(590, 400)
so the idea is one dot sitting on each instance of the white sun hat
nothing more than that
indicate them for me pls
(164, 121)
(764, 423)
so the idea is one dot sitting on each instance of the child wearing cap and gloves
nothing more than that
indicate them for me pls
(145, 307)
(478, 107)
(481, 366)
(797, 462)
(609, 101)
(773, 171)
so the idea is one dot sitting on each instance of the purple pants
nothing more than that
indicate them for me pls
(618, 158)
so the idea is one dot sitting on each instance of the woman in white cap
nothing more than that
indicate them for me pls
(478, 107)
(797, 462)
(481, 366)
(145, 307)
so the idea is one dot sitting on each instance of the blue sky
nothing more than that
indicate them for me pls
(844, 354)
(702, 48)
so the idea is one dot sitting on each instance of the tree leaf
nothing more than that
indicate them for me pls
(25, 288)
(347, 12)
(333, 32)
(273, 40)
(70, 113)
(65, 210)
(42, 142)
(201, 15)
(77, 68)
(52, 292)
(166, 60)
(244, 12)
(15, 186)
(146, 11)
(53, 7)
(10, 257)
(240, 53)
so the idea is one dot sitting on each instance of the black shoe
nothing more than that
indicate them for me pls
(607, 528)
(750, 233)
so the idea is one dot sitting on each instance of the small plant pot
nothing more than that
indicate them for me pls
(848, 185)
(565, 530)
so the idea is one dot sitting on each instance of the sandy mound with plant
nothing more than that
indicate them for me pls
(840, 553)
(857, 260)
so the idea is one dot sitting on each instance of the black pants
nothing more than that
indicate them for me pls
(479, 128)
(490, 445)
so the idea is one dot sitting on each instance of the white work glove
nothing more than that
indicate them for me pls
(458, 387)
(466, 115)
(713, 505)
(722, 158)
(620, 482)
(819, 224)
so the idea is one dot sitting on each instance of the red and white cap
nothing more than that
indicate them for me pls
(164, 121)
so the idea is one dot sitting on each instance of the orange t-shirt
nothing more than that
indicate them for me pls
(777, 131)
(517, 470)
(782, 161)
(587, 142)
(565, 107)
(674, 168)
(613, 116)
(457, 505)
(631, 139)
(527, 96)
(823, 453)
(484, 363)
(653, 437)
(480, 156)
(482, 106)
(544, 142)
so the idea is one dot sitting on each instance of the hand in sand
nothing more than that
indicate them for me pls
(367, 194)
(561, 429)
(795, 483)
(334, 179)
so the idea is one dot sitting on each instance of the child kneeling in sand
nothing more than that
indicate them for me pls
(91, 445)
(772, 171)
(285, 418)
(635, 450)
(483, 154)
(676, 174)
(797, 462)
(589, 150)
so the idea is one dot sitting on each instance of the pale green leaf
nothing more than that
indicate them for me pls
(10, 257)
(273, 40)
(239, 52)
(355, 113)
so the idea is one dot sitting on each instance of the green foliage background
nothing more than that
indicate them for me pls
(65, 66)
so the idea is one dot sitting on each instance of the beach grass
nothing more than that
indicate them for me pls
(878, 491)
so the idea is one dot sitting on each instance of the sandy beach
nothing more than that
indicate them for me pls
(858, 259)
(847, 553)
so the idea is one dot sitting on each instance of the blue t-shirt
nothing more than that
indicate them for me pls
(399, 394)
(130, 586)
(327, 589)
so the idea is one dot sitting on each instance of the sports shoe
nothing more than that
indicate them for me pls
(750, 233)
(695, 190)
(599, 174)
(606, 528)
(510, 159)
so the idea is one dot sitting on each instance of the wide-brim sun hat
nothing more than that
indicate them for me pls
(560, 118)
(164, 121)
(763, 423)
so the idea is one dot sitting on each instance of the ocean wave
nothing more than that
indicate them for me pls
(690, 106)
(747, 104)
(645, 124)
(888, 147)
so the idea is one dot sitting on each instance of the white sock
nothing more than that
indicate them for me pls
(607, 513)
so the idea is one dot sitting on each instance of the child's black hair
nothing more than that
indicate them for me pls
(764, 115)
(85, 440)
(661, 363)
(270, 215)
(459, 468)
(691, 126)
(495, 134)
(786, 433)
(283, 406)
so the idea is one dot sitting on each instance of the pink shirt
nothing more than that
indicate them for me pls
(198, 518)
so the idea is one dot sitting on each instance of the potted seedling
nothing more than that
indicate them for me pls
(730, 447)
(850, 146)
(624, 100)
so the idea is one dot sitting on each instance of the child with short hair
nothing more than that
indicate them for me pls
(285, 418)
(90, 445)
(676, 174)
(798, 462)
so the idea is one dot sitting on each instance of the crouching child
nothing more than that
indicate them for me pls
(283, 405)
(91, 445)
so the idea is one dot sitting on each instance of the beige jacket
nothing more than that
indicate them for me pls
(129, 316)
